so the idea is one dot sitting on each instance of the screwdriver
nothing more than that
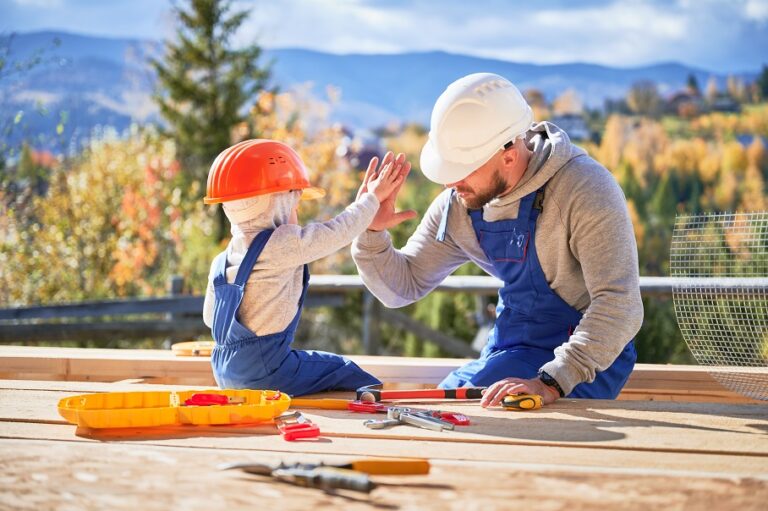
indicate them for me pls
(522, 402)
(390, 466)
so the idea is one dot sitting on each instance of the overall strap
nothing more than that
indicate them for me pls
(220, 268)
(254, 251)
(444, 220)
(538, 204)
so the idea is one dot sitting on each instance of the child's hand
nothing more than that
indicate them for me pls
(385, 182)
(387, 217)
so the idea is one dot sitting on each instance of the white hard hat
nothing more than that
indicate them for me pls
(472, 119)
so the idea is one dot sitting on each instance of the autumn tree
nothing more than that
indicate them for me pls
(568, 102)
(112, 223)
(643, 99)
(712, 91)
(538, 103)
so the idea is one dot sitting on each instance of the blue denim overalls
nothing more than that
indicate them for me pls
(531, 319)
(242, 359)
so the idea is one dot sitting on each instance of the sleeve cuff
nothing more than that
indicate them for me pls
(566, 375)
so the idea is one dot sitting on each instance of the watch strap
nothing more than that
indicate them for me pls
(547, 380)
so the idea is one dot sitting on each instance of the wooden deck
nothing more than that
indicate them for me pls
(575, 454)
(647, 382)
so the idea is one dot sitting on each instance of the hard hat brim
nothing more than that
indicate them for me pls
(312, 193)
(441, 171)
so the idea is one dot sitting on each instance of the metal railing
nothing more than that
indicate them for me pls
(179, 316)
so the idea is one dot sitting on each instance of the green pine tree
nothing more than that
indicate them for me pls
(762, 82)
(205, 83)
(692, 84)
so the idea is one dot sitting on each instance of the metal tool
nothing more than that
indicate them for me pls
(346, 476)
(295, 425)
(375, 393)
(420, 418)
(522, 402)
(374, 466)
(457, 419)
(326, 479)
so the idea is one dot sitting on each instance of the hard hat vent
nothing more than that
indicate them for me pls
(491, 86)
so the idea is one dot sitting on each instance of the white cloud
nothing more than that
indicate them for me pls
(716, 34)
(756, 10)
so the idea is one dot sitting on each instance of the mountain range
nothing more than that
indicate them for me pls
(84, 83)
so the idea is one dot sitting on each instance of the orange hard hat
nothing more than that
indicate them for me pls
(257, 167)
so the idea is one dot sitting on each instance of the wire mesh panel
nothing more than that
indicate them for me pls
(721, 295)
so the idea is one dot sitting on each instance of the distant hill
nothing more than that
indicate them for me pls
(94, 81)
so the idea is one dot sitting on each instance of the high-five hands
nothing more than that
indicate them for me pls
(385, 181)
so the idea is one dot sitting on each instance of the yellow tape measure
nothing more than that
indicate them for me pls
(522, 402)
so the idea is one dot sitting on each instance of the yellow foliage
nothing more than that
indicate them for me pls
(725, 192)
(648, 139)
(636, 223)
(734, 159)
(301, 121)
(753, 195)
(684, 156)
(112, 223)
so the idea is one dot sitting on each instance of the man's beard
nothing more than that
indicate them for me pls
(482, 197)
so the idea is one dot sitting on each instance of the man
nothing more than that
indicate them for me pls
(535, 211)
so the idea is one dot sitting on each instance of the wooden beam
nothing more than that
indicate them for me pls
(648, 381)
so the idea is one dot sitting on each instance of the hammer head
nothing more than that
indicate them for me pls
(369, 393)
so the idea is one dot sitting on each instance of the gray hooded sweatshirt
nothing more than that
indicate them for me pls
(274, 287)
(584, 239)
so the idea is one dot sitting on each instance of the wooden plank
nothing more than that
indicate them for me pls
(677, 427)
(670, 382)
(130, 477)
(240, 441)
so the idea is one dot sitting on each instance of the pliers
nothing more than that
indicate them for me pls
(426, 419)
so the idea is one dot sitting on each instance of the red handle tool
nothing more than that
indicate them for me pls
(295, 425)
(374, 394)
(212, 399)
(367, 407)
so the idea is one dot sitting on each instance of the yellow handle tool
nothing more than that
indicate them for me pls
(522, 402)
(323, 403)
(371, 466)
(396, 466)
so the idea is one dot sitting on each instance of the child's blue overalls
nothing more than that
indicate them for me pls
(242, 359)
(531, 319)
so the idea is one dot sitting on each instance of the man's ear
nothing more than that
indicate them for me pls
(509, 156)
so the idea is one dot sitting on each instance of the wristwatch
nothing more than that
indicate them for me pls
(547, 380)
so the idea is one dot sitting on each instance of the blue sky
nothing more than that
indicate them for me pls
(718, 35)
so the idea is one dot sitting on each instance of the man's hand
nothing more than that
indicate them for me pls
(494, 394)
(387, 217)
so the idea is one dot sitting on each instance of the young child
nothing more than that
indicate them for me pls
(256, 287)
